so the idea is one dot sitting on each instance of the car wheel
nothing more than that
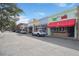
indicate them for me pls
(44, 36)
(32, 34)
(38, 35)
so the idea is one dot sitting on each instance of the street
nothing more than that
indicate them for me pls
(15, 44)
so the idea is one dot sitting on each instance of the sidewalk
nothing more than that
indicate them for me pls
(67, 38)
(1, 34)
(15, 44)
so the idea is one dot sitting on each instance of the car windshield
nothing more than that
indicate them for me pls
(42, 31)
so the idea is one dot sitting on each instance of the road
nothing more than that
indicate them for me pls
(15, 44)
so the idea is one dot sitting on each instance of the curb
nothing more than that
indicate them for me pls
(67, 38)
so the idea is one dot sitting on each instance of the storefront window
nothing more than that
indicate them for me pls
(62, 29)
(59, 29)
(53, 29)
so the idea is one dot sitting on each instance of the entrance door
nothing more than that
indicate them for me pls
(71, 31)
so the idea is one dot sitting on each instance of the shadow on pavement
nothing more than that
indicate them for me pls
(72, 44)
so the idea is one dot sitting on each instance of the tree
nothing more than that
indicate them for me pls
(8, 12)
(12, 25)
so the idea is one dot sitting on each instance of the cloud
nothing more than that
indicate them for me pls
(65, 4)
(23, 19)
(39, 14)
(62, 4)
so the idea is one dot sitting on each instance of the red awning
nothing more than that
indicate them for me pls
(64, 23)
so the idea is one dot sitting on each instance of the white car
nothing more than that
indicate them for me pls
(39, 33)
(23, 32)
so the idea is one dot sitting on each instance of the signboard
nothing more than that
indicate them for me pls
(63, 16)
(35, 22)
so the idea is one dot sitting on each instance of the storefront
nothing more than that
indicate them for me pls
(43, 27)
(43, 23)
(30, 29)
(65, 28)
(33, 25)
(63, 25)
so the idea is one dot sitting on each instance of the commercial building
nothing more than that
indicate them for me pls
(43, 23)
(32, 25)
(21, 26)
(64, 24)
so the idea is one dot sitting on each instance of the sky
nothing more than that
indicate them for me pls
(40, 10)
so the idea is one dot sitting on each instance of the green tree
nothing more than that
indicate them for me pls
(12, 25)
(8, 12)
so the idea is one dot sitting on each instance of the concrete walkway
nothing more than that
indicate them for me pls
(1, 34)
(14, 44)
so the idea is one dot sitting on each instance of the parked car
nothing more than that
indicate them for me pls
(17, 31)
(39, 33)
(13, 30)
(23, 31)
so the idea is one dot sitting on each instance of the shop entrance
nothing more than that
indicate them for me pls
(30, 29)
(70, 31)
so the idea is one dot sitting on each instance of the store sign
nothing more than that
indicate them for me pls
(54, 19)
(58, 18)
(64, 17)
(36, 22)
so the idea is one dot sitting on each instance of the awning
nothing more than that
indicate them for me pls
(64, 23)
